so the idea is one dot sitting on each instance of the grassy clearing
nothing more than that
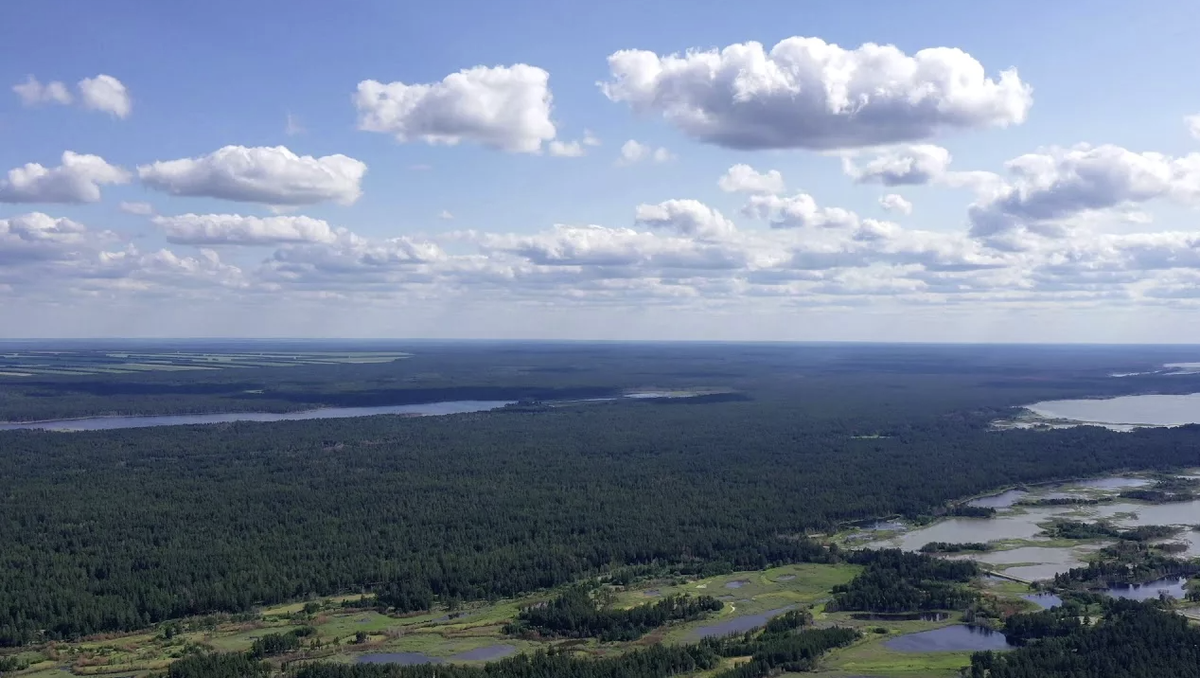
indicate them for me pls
(869, 658)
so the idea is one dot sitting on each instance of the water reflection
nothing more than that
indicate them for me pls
(956, 638)
(1173, 587)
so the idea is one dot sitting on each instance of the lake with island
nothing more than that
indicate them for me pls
(1022, 550)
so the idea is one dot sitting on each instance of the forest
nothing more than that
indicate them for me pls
(117, 530)
(895, 581)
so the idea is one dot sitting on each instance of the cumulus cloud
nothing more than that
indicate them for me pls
(633, 152)
(614, 248)
(76, 180)
(106, 94)
(235, 229)
(1050, 186)
(745, 179)
(270, 176)
(505, 107)
(900, 165)
(893, 202)
(573, 149)
(686, 217)
(143, 209)
(350, 257)
(445, 215)
(798, 211)
(1193, 125)
(806, 93)
(33, 93)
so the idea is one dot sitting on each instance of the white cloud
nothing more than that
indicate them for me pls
(270, 176)
(893, 202)
(806, 93)
(1193, 125)
(505, 107)
(107, 94)
(235, 229)
(634, 152)
(76, 180)
(143, 209)
(569, 149)
(745, 179)
(686, 217)
(900, 165)
(445, 215)
(292, 126)
(33, 92)
(1051, 186)
(798, 211)
(573, 149)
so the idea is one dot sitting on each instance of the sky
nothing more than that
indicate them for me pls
(871, 171)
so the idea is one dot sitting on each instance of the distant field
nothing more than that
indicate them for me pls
(20, 364)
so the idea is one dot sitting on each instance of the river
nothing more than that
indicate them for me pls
(107, 423)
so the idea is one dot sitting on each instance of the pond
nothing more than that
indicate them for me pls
(1043, 600)
(738, 624)
(489, 653)
(106, 423)
(999, 501)
(1174, 587)
(957, 638)
(1124, 412)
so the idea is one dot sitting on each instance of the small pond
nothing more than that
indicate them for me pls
(1044, 600)
(738, 624)
(999, 501)
(957, 638)
(489, 653)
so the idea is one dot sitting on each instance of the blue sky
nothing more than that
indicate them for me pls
(1079, 246)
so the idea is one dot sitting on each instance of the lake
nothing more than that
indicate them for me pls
(106, 423)
(957, 638)
(1124, 412)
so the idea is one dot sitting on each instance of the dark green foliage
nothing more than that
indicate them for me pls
(1073, 529)
(1125, 563)
(949, 547)
(1131, 640)
(895, 581)
(965, 511)
(774, 653)
(658, 661)
(1062, 620)
(575, 613)
(229, 665)
(274, 644)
